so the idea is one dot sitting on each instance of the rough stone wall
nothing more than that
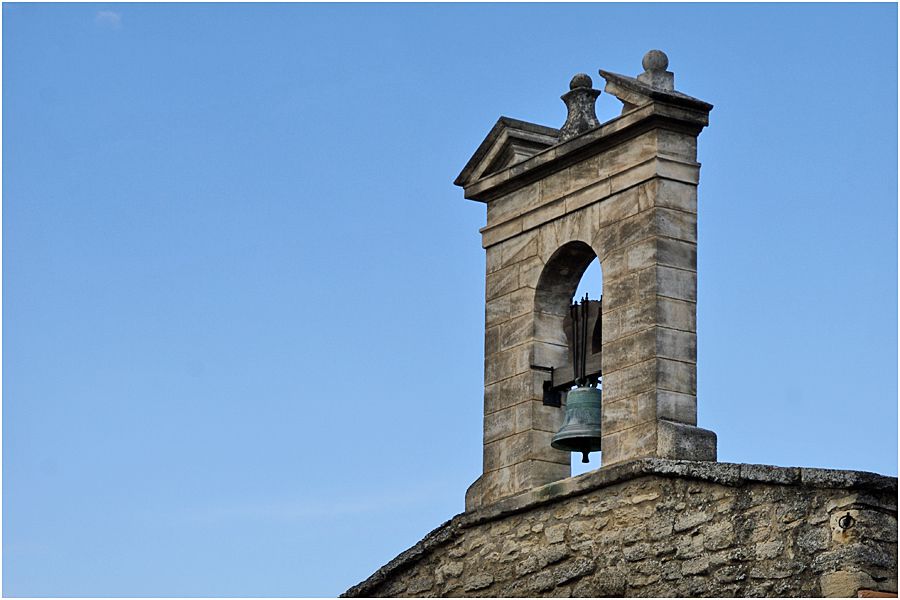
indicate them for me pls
(663, 528)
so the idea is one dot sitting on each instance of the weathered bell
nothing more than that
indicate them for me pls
(580, 431)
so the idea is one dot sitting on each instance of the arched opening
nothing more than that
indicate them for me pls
(591, 285)
(561, 276)
(573, 271)
(591, 282)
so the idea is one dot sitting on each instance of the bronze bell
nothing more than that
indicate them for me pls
(581, 429)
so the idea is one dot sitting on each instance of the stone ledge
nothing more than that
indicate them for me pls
(728, 474)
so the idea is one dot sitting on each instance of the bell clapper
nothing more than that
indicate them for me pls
(584, 457)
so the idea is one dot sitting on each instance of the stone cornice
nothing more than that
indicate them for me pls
(655, 114)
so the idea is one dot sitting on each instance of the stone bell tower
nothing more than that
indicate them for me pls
(660, 518)
(625, 192)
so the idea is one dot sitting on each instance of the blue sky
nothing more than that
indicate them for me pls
(243, 301)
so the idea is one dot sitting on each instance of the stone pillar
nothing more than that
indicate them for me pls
(626, 193)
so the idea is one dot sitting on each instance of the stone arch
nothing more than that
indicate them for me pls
(553, 296)
(560, 277)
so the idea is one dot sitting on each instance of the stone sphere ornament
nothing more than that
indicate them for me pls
(581, 80)
(655, 60)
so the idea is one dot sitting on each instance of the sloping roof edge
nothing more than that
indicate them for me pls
(651, 93)
(728, 474)
(503, 124)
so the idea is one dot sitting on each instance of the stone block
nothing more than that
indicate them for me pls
(501, 424)
(677, 144)
(546, 418)
(493, 234)
(673, 406)
(516, 331)
(524, 416)
(492, 257)
(676, 314)
(630, 288)
(530, 271)
(640, 173)
(619, 207)
(579, 225)
(583, 174)
(491, 340)
(629, 259)
(474, 495)
(543, 214)
(490, 397)
(845, 584)
(421, 584)
(519, 248)
(626, 156)
(549, 328)
(520, 302)
(550, 355)
(641, 255)
(478, 582)
(676, 253)
(501, 282)
(538, 377)
(555, 186)
(675, 344)
(628, 381)
(675, 194)
(679, 170)
(513, 204)
(629, 444)
(626, 351)
(497, 484)
(544, 452)
(507, 363)
(696, 566)
(676, 376)
(618, 234)
(679, 284)
(587, 196)
(508, 392)
(629, 319)
(496, 311)
(507, 451)
(548, 242)
(628, 412)
(533, 474)
(685, 442)
(675, 224)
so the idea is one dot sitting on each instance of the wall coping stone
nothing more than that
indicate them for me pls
(728, 474)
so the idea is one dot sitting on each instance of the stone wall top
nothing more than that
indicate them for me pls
(727, 474)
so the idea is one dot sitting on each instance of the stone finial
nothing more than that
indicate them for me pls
(655, 63)
(580, 101)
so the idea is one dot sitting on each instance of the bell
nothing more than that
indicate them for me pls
(581, 429)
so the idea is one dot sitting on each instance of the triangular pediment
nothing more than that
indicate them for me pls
(510, 141)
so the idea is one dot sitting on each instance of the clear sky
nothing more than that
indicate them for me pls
(243, 302)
